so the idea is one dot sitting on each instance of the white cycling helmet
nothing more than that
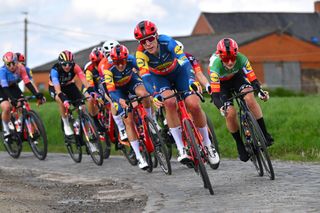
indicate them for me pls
(107, 47)
(180, 44)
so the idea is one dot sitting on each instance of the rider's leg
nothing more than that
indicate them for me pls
(5, 116)
(257, 113)
(233, 127)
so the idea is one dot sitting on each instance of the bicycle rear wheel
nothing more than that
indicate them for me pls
(161, 151)
(73, 144)
(260, 145)
(92, 140)
(37, 136)
(214, 141)
(194, 151)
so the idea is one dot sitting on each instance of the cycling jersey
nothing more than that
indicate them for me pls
(92, 74)
(218, 72)
(59, 76)
(115, 79)
(167, 65)
(196, 68)
(8, 78)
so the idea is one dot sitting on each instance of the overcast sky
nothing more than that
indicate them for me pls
(56, 25)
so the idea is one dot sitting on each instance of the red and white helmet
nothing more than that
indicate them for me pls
(9, 57)
(145, 29)
(227, 49)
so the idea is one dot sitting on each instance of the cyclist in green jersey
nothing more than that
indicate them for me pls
(229, 71)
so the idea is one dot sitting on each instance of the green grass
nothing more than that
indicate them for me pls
(293, 122)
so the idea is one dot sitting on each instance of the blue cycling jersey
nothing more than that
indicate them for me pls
(8, 78)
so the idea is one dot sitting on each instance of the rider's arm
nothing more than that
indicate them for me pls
(110, 85)
(26, 80)
(142, 63)
(78, 71)
(251, 76)
(215, 88)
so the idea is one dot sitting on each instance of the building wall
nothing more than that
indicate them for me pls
(202, 26)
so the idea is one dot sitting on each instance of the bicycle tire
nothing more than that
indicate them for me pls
(146, 155)
(260, 144)
(214, 141)
(73, 144)
(165, 132)
(107, 146)
(92, 139)
(160, 152)
(250, 148)
(194, 150)
(39, 148)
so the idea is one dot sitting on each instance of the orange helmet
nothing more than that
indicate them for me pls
(96, 55)
(227, 49)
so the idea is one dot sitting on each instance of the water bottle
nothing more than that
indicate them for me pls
(76, 126)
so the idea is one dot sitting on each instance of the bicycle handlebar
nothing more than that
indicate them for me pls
(131, 100)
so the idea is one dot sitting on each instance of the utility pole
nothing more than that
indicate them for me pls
(25, 36)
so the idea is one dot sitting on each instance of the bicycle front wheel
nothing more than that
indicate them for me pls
(214, 141)
(37, 136)
(194, 151)
(73, 145)
(260, 145)
(92, 140)
(161, 151)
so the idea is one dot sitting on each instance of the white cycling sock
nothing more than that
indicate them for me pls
(5, 127)
(135, 147)
(119, 122)
(149, 111)
(177, 135)
(65, 121)
(204, 133)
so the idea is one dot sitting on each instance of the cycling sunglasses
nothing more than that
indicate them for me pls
(150, 39)
(120, 61)
(67, 64)
(10, 63)
(226, 59)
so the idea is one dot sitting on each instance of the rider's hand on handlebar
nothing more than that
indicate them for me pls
(158, 100)
(224, 108)
(263, 95)
(208, 89)
(196, 86)
(123, 103)
(66, 104)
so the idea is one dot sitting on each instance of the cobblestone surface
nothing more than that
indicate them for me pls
(60, 185)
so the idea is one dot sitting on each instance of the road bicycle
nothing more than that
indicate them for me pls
(85, 134)
(252, 136)
(112, 136)
(149, 136)
(168, 138)
(192, 139)
(26, 125)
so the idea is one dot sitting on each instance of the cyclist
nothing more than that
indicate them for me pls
(231, 70)
(62, 87)
(120, 79)
(94, 80)
(22, 60)
(106, 49)
(196, 72)
(162, 63)
(10, 74)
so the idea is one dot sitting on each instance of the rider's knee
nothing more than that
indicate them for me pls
(170, 104)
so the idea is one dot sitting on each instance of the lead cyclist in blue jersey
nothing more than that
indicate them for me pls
(163, 66)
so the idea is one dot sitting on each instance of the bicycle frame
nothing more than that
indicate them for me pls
(143, 135)
(25, 108)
